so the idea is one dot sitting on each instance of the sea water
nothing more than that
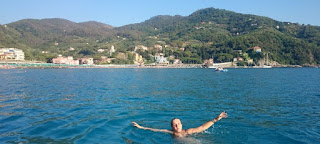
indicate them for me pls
(278, 105)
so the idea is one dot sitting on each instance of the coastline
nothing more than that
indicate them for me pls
(42, 65)
(8, 66)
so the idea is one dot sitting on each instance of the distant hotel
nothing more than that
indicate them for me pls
(11, 54)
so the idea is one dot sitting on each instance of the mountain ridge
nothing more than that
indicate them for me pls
(203, 33)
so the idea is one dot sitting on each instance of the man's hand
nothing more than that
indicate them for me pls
(136, 125)
(222, 115)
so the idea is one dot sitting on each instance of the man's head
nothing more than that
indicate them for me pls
(176, 125)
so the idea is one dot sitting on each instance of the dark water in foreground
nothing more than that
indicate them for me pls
(98, 105)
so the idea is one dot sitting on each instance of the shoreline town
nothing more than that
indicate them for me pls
(13, 58)
(41, 65)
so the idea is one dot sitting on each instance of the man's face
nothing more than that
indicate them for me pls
(176, 125)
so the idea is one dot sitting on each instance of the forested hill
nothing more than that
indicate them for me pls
(204, 34)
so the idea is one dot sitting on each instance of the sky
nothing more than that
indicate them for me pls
(123, 12)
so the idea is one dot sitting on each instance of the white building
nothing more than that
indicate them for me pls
(12, 53)
(177, 61)
(160, 59)
(112, 50)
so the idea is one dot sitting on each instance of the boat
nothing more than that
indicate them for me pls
(267, 66)
(220, 69)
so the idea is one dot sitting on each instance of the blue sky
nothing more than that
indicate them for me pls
(122, 12)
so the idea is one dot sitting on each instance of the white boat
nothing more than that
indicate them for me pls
(224, 70)
(267, 66)
(220, 69)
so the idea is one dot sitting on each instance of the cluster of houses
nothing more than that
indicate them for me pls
(256, 49)
(82, 61)
(137, 58)
(70, 61)
(160, 59)
(11, 54)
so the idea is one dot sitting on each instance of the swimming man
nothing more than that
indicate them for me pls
(177, 130)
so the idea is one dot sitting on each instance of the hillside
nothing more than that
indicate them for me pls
(204, 34)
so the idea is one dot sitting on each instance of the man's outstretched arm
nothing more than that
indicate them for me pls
(151, 129)
(206, 125)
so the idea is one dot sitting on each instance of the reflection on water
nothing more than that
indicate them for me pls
(98, 105)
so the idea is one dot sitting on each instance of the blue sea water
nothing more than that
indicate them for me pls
(279, 105)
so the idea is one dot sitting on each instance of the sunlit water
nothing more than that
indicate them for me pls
(98, 105)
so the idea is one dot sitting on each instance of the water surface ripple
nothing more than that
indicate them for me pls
(98, 105)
